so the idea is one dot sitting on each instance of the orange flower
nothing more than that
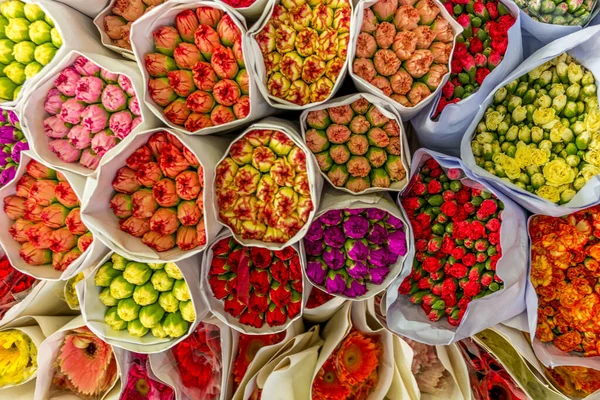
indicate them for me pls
(327, 385)
(357, 358)
(568, 342)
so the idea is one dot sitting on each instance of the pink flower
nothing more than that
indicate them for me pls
(120, 123)
(89, 159)
(80, 137)
(64, 150)
(161, 91)
(126, 85)
(67, 80)
(108, 77)
(136, 122)
(89, 89)
(55, 128)
(158, 242)
(95, 118)
(85, 67)
(134, 106)
(114, 98)
(34, 256)
(71, 111)
(54, 101)
(135, 226)
(103, 142)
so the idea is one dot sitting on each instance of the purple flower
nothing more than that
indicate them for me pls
(375, 214)
(377, 234)
(378, 256)
(334, 258)
(353, 211)
(397, 243)
(335, 283)
(378, 274)
(394, 222)
(356, 289)
(5, 159)
(334, 236)
(17, 149)
(9, 134)
(357, 250)
(12, 118)
(316, 271)
(8, 174)
(333, 217)
(356, 227)
(358, 270)
(315, 232)
(313, 248)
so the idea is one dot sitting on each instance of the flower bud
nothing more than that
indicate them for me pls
(158, 242)
(187, 23)
(24, 52)
(207, 40)
(106, 298)
(74, 223)
(209, 16)
(137, 273)
(177, 112)
(148, 174)
(161, 92)
(14, 207)
(113, 97)
(168, 302)
(19, 228)
(120, 123)
(35, 256)
(44, 53)
(128, 309)
(143, 204)
(158, 65)
(15, 72)
(186, 55)
(103, 141)
(226, 92)
(182, 82)
(54, 215)
(174, 325)
(151, 315)
(85, 241)
(222, 115)
(89, 159)
(223, 62)
(120, 288)
(105, 275)
(33, 12)
(39, 32)
(112, 319)
(166, 39)
(95, 118)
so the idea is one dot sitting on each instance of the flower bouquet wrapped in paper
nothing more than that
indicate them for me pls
(137, 383)
(12, 142)
(321, 305)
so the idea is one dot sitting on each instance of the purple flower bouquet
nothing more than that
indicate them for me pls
(352, 251)
(12, 143)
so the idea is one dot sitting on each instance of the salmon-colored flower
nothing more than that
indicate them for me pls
(24, 185)
(125, 181)
(135, 226)
(33, 211)
(39, 235)
(226, 92)
(165, 193)
(187, 185)
(187, 238)
(241, 109)
(35, 256)
(143, 203)
(62, 240)
(19, 228)
(158, 242)
(171, 161)
(207, 40)
(43, 192)
(209, 16)
(74, 223)
(14, 207)
(188, 213)
(177, 111)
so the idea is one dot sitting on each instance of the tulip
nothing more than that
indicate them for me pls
(125, 181)
(35, 256)
(121, 204)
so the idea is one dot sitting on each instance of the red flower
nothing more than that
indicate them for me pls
(456, 66)
(493, 225)
(450, 299)
(421, 245)
(221, 247)
(285, 253)
(435, 172)
(448, 92)
(469, 208)
(260, 257)
(233, 306)
(492, 8)
(464, 19)
(505, 22)
(458, 271)
(279, 272)
(293, 309)
(481, 74)
(448, 245)
(405, 286)
(297, 285)
(434, 186)
(460, 49)
(469, 260)
(494, 59)
(219, 287)
(280, 296)
(449, 286)
(276, 317)
(476, 46)
(217, 266)
(463, 303)
(463, 196)
(472, 288)
(459, 252)
(449, 208)
(494, 238)
(480, 60)
(258, 304)
(423, 219)
(233, 259)
(500, 45)
(260, 280)
(468, 62)
(460, 230)
(431, 264)
(295, 269)
(476, 230)
(411, 203)
(251, 318)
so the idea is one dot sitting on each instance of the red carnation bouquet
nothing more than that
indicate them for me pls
(14, 286)
(479, 48)
(255, 289)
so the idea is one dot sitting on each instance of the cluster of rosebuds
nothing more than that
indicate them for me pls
(124, 13)
(263, 189)
(304, 46)
(47, 221)
(457, 241)
(479, 48)
(13, 285)
(256, 285)
(12, 143)
(160, 195)
(91, 111)
(350, 250)
(198, 71)
(356, 145)
(404, 49)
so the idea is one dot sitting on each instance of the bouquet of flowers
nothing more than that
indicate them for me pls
(18, 357)
(317, 298)
(403, 49)
(479, 49)
(14, 285)
(70, 292)
(139, 386)
(357, 144)
(304, 47)
(432, 376)
(568, 12)
(29, 42)
(13, 143)
(574, 382)
(197, 72)
(253, 285)
(248, 347)
(265, 186)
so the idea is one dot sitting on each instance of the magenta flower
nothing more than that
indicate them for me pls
(378, 275)
(315, 232)
(333, 217)
(377, 234)
(357, 250)
(313, 248)
(394, 222)
(375, 214)
(396, 243)
(379, 256)
(334, 258)
(334, 236)
(335, 283)
(95, 118)
(356, 289)
(126, 85)
(356, 227)
(354, 211)
(316, 271)
(358, 270)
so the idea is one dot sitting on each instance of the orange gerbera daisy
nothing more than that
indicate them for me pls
(357, 358)
(327, 385)
(363, 391)
(248, 346)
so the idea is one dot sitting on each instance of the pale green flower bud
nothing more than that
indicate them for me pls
(187, 310)
(112, 319)
(135, 328)
(6, 51)
(39, 32)
(15, 71)
(151, 315)
(181, 291)
(174, 325)
(24, 52)
(128, 309)
(106, 298)
(168, 302)
(33, 12)
(45, 53)
(17, 29)
(7, 88)
(13, 9)
(173, 271)
(56, 38)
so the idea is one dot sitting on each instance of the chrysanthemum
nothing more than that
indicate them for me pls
(327, 385)
(356, 358)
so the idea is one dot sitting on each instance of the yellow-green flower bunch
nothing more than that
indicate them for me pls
(18, 357)
(542, 131)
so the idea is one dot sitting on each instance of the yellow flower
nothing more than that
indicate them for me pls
(558, 172)
(595, 142)
(549, 193)
(509, 164)
(539, 157)
(589, 171)
(18, 357)
(592, 121)
(542, 116)
(592, 157)
(523, 156)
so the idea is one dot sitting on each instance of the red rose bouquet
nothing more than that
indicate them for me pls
(456, 228)
(14, 286)
(248, 347)
(254, 285)
(479, 49)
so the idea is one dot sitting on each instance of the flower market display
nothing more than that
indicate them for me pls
(14, 286)
(256, 285)
(18, 357)
(479, 49)
(248, 346)
(403, 49)
(13, 143)
(351, 371)
(160, 195)
(46, 220)
(304, 47)
(28, 42)
(559, 12)
(123, 13)
(139, 386)
(199, 361)
(356, 146)
(431, 375)
(88, 112)
(197, 74)
(351, 251)
(457, 238)
(542, 131)
(84, 366)
(145, 298)
(263, 188)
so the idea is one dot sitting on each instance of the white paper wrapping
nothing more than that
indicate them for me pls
(87, 7)
(164, 368)
(218, 309)
(315, 181)
(583, 46)
(97, 214)
(334, 200)
(387, 110)
(34, 115)
(258, 62)
(409, 320)
(363, 86)
(143, 43)
(12, 247)
(93, 310)
(77, 33)
(445, 133)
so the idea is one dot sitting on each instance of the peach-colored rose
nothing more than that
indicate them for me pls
(197, 121)
(57, 259)
(386, 62)
(84, 241)
(227, 92)
(158, 242)
(177, 112)
(125, 181)
(39, 235)
(224, 63)
(384, 35)
(228, 31)
(165, 193)
(436, 74)
(384, 9)
(66, 195)
(70, 257)
(40, 171)
(121, 205)
(221, 115)
(135, 226)
(156, 142)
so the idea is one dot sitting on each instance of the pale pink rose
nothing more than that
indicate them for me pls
(80, 137)
(120, 123)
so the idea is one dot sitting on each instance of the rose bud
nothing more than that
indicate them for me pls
(186, 23)
(103, 141)
(158, 242)
(187, 238)
(143, 204)
(94, 117)
(384, 35)
(113, 26)
(84, 242)
(74, 223)
(54, 215)
(54, 101)
(177, 112)
(85, 67)
(33, 211)
(186, 55)
(209, 16)
(406, 18)
(197, 121)
(39, 236)
(135, 226)
(18, 228)
(164, 221)
(158, 65)
(201, 102)
(66, 82)
(125, 181)
(62, 240)
(207, 40)
(121, 205)
(278, 85)
(364, 68)
(55, 127)
(35, 256)
(225, 172)
(306, 43)
(266, 38)
(228, 31)
(165, 193)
